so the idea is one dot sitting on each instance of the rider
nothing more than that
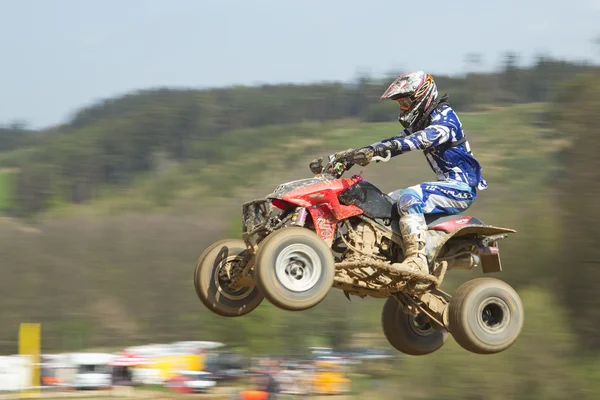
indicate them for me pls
(433, 127)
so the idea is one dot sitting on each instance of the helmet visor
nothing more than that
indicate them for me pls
(404, 103)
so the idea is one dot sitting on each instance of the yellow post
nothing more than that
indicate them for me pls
(29, 345)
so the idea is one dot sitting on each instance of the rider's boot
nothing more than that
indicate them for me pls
(413, 229)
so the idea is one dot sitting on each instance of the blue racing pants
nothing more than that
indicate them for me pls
(448, 197)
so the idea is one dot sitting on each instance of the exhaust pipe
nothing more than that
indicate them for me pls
(465, 261)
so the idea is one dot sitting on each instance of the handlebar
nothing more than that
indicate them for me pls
(337, 167)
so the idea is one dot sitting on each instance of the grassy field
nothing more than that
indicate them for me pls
(7, 189)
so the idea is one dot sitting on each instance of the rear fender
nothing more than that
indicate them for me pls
(490, 256)
(480, 230)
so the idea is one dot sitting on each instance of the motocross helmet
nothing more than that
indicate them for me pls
(415, 93)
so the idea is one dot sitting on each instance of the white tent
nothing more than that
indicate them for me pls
(15, 372)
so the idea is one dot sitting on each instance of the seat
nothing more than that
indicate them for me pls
(435, 219)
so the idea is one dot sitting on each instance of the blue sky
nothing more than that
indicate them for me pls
(59, 55)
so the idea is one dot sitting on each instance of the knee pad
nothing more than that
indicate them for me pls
(409, 202)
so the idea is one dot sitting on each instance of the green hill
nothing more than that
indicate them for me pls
(109, 145)
(244, 163)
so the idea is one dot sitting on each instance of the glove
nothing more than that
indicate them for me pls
(361, 156)
(341, 155)
(381, 149)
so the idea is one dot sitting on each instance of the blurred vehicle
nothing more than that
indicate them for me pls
(191, 382)
(52, 370)
(292, 379)
(167, 359)
(312, 234)
(225, 366)
(371, 354)
(163, 361)
(93, 370)
(123, 364)
(321, 351)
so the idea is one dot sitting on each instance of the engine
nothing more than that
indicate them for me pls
(360, 239)
(365, 239)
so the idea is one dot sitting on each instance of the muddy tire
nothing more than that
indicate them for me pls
(407, 334)
(485, 315)
(294, 268)
(210, 281)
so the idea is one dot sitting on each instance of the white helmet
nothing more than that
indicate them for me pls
(415, 93)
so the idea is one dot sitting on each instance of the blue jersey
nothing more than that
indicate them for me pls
(448, 163)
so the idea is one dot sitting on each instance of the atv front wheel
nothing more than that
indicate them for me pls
(213, 276)
(410, 334)
(294, 268)
(485, 315)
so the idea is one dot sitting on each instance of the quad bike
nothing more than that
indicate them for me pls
(312, 234)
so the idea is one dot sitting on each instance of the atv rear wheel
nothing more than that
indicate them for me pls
(211, 280)
(408, 333)
(294, 268)
(485, 315)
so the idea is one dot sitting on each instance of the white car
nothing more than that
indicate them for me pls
(192, 381)
(93, 370)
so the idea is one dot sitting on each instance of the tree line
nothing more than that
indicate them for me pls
(116, 139)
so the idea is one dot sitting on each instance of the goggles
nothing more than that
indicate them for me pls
(404, 103)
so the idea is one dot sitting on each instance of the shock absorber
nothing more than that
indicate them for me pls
(299, 217)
